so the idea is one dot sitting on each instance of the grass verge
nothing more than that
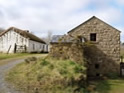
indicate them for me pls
(108, 86)
(47, 75)
(5, 59)
(6, 56)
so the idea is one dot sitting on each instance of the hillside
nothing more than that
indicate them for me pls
(48, 75)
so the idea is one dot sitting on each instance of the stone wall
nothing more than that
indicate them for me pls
(72, 51)
(107, 44)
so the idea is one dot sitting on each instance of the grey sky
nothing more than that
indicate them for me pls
(59, 16)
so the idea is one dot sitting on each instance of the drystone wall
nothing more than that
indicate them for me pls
(72, 51)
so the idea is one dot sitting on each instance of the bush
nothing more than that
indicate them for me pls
(44, 62)
(30, 59)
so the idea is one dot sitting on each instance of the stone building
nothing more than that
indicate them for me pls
(101, 47)
(15, 40)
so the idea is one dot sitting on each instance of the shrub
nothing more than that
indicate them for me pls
(30, 59)
(44, 62)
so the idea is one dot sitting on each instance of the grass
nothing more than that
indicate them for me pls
(58, 76)
(6, 56)
(48, 75)
(19, 55)
(122, 52)
(108, 86)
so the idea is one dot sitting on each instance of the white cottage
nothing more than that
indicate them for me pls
(15, 40)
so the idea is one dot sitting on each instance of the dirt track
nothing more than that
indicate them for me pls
(4, 86)
(4, 68)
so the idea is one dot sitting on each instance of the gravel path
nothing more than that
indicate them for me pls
(10, 63)
(4, 87)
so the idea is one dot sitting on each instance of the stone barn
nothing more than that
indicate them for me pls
(14, 40)
(95, 40)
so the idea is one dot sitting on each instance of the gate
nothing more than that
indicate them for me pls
(19, 48)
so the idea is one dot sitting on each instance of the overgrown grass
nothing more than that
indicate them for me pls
(48, 76)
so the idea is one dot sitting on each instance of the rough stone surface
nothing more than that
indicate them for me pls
(72, 51)
(107, 44)
(106, 51)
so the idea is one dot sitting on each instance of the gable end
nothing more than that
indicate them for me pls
(94, 17)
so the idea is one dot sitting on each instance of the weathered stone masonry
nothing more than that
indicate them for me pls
(106, 57)
(71, 51)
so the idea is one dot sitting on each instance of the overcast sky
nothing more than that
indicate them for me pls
(59, 16)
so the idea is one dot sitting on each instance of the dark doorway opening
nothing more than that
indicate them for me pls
(97, 74)
(96, 66)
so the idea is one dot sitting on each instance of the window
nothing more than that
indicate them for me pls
(96, 66)
(82, 39)
(93, 37)
(43, 47)
(97, 74)
(33, 46)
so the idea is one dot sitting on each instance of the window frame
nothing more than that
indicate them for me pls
(93, 37)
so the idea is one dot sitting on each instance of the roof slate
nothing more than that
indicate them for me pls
(62, 39)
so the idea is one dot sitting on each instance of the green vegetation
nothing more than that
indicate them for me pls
(107, 86)
(6, 56)
(20, 55)
(48, 75)
(122, 51)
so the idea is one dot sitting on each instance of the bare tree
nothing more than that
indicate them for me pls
(48, 38)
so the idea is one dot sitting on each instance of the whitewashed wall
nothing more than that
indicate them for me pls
(11, 38)
(36, 47)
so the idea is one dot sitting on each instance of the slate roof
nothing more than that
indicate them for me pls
(24, 33)
(62, 39)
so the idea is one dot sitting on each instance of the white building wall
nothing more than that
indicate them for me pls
(11, 38)
(36, 47)
(5, 41)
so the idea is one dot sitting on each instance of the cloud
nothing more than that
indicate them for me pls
(121, 2)
(59, 16)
